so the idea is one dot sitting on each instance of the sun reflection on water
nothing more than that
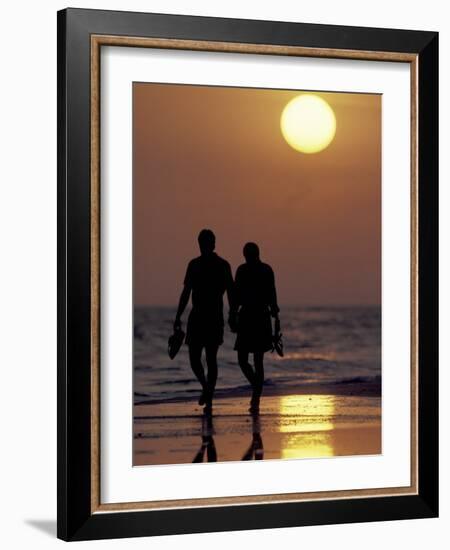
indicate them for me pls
(307, 426)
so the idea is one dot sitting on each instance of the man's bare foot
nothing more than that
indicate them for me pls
(202, 398)
(254, 404)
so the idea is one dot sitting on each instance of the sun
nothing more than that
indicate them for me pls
(308, 123)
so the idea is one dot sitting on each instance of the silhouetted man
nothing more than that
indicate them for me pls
(207, 277)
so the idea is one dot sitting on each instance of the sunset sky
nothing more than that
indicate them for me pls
(215, 157)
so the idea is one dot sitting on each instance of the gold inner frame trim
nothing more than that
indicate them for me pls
(97, 41)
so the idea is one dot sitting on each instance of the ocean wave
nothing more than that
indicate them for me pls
(339, 345)
(285, 386)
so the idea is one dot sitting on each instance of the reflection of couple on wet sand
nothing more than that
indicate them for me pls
(252, 301)
(208, 447)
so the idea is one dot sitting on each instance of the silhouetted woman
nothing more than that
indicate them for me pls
(256, 302)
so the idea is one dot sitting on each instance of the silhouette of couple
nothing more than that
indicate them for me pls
(252, 302)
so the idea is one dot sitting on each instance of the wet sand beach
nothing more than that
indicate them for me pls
(318, 421)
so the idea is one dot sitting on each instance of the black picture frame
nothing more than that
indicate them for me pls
(75, 518)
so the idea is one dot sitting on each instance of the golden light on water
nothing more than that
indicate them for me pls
(308, 123)
(314, 446)
(308, 429)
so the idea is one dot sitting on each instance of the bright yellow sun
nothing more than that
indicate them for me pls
(308, 123)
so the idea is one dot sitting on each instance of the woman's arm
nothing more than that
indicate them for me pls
(273, 302)
(235, 302)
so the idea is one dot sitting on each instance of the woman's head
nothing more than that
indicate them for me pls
(251, 252)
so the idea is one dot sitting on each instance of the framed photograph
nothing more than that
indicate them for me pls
(247, 252)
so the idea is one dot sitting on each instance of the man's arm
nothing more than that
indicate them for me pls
(230, 290)
(184, 297)
(183, 302)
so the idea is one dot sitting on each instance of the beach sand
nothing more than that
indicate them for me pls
(318, 421)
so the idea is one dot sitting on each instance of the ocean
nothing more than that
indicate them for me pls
(322, 345)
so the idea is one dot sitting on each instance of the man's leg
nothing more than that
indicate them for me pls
(211, 361)
(195, 358)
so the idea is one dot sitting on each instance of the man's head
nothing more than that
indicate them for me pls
(251, 252)
(206, 241)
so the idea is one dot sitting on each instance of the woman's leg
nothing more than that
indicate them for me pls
(246, 368)
(258, 358)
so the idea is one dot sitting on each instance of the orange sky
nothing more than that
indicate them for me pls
(215, 157)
